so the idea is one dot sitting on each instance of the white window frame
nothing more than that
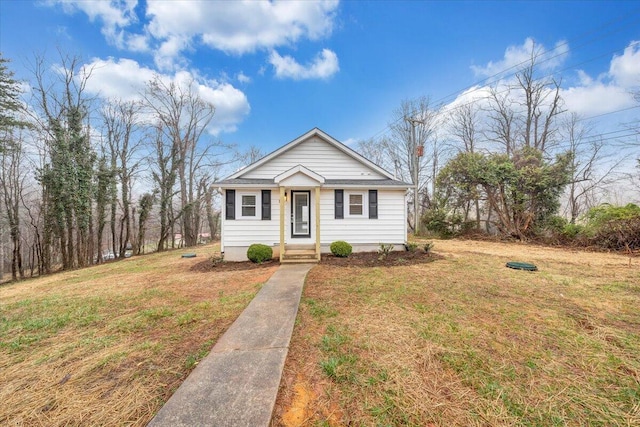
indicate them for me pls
(239, 195)
(365, 204)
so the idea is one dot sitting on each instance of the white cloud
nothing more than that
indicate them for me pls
(137, 43)
(625, 68)
(114, 14)
(241, 26)
(125, 79)
(610, 91)
(596, 98)
(234, 27)
(168, 52)
(588, 96)
(517, 56)
(243, 78)
(323, 66)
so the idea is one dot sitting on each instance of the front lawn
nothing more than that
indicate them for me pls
(108, 345)
(466, 341)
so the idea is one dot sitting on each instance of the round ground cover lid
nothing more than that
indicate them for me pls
(522, 266)
(188, 255)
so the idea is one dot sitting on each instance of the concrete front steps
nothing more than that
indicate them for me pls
(299, 254)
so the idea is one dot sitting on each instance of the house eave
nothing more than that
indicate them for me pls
(233, 185)
(378, 186)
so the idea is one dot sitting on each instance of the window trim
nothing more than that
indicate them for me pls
(365, 204)
(257, 206)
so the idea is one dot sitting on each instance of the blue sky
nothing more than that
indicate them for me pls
(276, 70)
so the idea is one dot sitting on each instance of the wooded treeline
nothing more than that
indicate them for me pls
(86, 179)
(507, 159)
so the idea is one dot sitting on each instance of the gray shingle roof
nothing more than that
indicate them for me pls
(375, 182)
(330, 182)
(244, 181)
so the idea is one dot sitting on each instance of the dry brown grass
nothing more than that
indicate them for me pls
(466, 341)
(107, 345)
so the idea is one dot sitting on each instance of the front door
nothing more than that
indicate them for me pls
(301, 214)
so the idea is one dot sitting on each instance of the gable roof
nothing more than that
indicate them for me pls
(325, 137)
(301, 170)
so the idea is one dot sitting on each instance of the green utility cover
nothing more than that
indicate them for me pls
(188, 255)
(522, 266)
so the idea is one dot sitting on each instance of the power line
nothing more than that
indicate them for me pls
(507, 89)
(483, 83)
(608, 113)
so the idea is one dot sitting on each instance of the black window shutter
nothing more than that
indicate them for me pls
(373, 204)
(230, 205)
(266, 204)
(339, 204)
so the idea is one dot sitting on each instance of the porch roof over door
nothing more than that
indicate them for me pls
(299, 176)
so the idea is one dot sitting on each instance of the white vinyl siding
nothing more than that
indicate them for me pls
(252, 230)
(389, 227)
(318, 156)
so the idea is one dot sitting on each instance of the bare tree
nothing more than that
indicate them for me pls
(184, 116)
(374, 149)
(542, 103)
(413, 134)
(252, 155)
(11, 154)
(525, 114)
(120, 121)
(213, 215)
(12, 178)
(464, 128)
(501, 123)
(591, 167)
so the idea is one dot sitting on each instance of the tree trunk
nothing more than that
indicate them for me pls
(1, 252)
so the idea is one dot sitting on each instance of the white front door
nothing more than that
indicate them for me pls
(301, 214)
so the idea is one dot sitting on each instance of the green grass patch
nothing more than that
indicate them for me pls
(194, 358)
(320, 309)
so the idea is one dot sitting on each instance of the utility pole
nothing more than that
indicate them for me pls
(415, 157)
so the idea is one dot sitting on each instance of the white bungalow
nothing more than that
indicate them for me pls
(307, 194)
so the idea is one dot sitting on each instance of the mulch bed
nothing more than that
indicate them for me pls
(373, 259)
(209, 265)
(356, 259)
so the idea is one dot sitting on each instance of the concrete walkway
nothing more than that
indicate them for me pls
(237, 383)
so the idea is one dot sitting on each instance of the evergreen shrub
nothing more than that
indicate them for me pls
(341, 249)
(259, 253)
